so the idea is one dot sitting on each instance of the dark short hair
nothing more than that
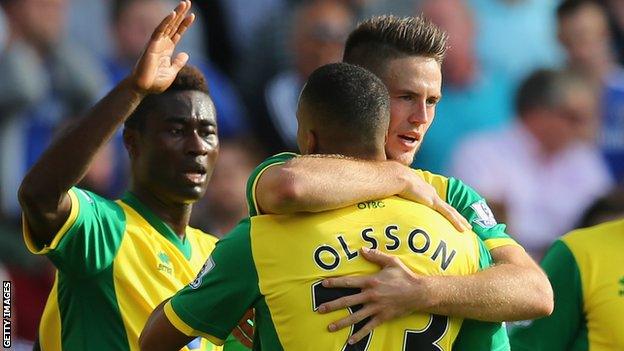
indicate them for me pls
(569, 7)
(382, 38)
(546, 88)
(189, 78)
(349, 105)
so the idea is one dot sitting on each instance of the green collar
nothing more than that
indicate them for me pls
(183, 245)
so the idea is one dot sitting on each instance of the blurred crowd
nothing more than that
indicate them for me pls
(532, 113)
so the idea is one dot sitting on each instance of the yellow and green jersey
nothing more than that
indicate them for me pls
(116, 261)
(586, 270)
(475, 335)
(275, 264)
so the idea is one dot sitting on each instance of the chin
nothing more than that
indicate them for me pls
(405, 158)
(190, 195)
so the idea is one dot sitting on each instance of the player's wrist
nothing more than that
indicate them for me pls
(424, 294)
(405, 178)
(133, 88)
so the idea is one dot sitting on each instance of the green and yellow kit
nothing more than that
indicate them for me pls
(586, 270)
(474, 335)
(275, 264)
(116, 261)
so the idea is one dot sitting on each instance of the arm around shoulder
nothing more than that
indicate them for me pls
(315, 184)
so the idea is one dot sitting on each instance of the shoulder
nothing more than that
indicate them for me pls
(101, 205)
(276, 159)
(439, 182)
(599, 237)
(430, 177)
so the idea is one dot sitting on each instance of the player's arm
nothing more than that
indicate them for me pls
(396, 291)
(160, 335)
(213, 304)
(515, 288)
(315, 184)
(43, 192)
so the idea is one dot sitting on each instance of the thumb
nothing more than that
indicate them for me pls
(180, 60)
(377, 257)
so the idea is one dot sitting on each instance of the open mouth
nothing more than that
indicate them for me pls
(408, 139)
(196, 175)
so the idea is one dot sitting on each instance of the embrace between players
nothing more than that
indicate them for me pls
(321, 225)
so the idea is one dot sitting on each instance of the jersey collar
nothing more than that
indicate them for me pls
(182, 244)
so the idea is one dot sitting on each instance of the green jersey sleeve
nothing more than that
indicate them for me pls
(88, 241)
(227, 286)
(474, 208)
(565, 328)
(274, 160)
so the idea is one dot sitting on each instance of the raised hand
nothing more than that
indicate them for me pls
(156, 68)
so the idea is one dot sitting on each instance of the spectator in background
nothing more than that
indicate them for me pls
(584, 33)
(516, 37)
(400, 8)
(320, 28)
(45, 80)
(540, 174)
(475, 97)
(3, 30)
(132, 22)
(235, 25)
(615, 11)
(225, 202)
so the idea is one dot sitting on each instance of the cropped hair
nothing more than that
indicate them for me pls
(382, 38)
(568, 7)
(188, 79)
(349, 104)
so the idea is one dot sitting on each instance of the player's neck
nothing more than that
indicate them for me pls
(176, 215)
(353, 151)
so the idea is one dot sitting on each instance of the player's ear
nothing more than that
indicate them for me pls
(130, 140)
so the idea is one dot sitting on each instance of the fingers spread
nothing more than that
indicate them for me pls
(378, 257)
(366, 329)
(343, 302)
(183, 27)
(180, 18)
(162, 27)
(351, 319)
(345, 282)
(177, 11)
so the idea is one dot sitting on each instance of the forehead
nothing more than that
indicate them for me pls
(186, 105)
(416, 74)
(588, 17)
